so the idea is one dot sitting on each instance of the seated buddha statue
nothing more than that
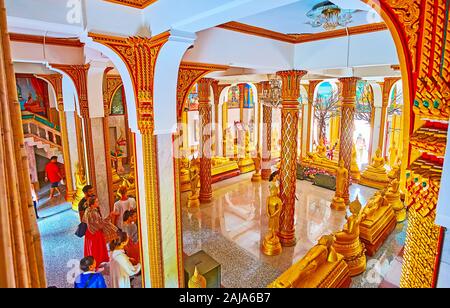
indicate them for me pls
(80, 182)
(348, 243)
(302, 274)
(375, 174)
(320, 153)
(393, 199)
(395, 170)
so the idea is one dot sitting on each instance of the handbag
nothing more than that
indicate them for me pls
(81, 230)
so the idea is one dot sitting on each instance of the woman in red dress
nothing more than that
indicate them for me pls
(99, 232)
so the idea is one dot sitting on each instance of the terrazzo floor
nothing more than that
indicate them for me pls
(62, 250)
(230, 229)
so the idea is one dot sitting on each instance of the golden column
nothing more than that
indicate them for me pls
(78, 74)
(386, 87)
(267, 133)
(204, 108)
(241, 87)
(289, 134)
(311, 91)
(347, 126)
(56, 82)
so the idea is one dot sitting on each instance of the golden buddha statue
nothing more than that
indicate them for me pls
(395, 170)
(194, 174)
(341, 181)
(246, 163)
(375, 174)
(378, 222)
(348, 243)
(355, 172)
(197, 281)
(320, 153)
(271, 245)
(393, 153)
(321, 267)
(185, 178)
(80, 182)
(393, 199)
(257, 175)
(230, 145)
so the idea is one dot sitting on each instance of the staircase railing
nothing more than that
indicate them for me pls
(40, 128)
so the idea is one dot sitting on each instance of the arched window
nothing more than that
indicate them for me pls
(117, 104)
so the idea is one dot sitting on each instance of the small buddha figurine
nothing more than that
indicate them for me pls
(393, 153)
(319, 255)
(184, 174)
(356, 173)
(320, 153)
(257, 175)
(80, 182)
(271, 244)
(395, 170)
(393, 199)
(348, 243)
(341, 180)
(375, 174)
(197, 281)
(194, 174)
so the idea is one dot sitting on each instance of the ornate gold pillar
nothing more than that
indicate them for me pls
(241, 87)
(311, 91)
(217, 91)
(204, 108)
(110, 86)
(78, 74)
(56, 81)
(266, 134)
(386, 87)
(347, 127)
(289, 135)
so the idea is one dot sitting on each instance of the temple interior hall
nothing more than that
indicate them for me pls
(224, 144)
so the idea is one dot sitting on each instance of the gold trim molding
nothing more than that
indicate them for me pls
(302, 38)
(140, 4)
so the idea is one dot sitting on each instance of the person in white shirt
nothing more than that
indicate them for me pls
(121, 268)
(120, 207)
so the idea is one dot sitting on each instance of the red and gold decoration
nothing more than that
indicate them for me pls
(288, 170)
(140, 54)
(204, 108)
(347, 127)
(78, 74)
(321, 267)
(140, 4)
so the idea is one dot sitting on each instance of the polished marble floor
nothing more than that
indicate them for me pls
(230, 229)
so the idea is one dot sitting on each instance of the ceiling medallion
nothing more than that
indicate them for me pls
(329, 16)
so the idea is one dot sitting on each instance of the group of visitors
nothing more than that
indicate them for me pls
(120, 231)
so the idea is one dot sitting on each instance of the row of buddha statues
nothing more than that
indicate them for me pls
(375, 175)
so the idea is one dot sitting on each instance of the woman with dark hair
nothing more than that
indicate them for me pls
(98, 232)
(120, 267)
(89, 279)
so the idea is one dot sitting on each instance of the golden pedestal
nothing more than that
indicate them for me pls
(376, 228)
(338, 204)
(271, 245)
(326, 275)
(256, 177)
(354, 255)
(193, 200)
(185, 182)
(374, 180)
(224, 170)
(246, 165)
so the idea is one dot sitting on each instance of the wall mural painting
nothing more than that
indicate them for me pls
(193, 101)
(117, 104)
(33, 95)
(233, 97)
(249, 99)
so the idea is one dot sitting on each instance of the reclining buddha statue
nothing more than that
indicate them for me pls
(321, 267)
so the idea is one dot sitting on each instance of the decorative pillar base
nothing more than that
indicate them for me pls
(256, 177)
(205, 198)
(287, 239)
(271, 246)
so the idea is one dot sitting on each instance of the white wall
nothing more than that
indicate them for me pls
(220, 46)
(30, 52)
(375, 48)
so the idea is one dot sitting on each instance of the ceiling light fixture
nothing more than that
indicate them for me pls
(329, 16)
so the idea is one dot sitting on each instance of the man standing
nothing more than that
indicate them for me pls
(120, 207)
(53, 174)
(88, 191)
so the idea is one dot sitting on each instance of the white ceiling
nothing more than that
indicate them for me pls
(292, 18)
